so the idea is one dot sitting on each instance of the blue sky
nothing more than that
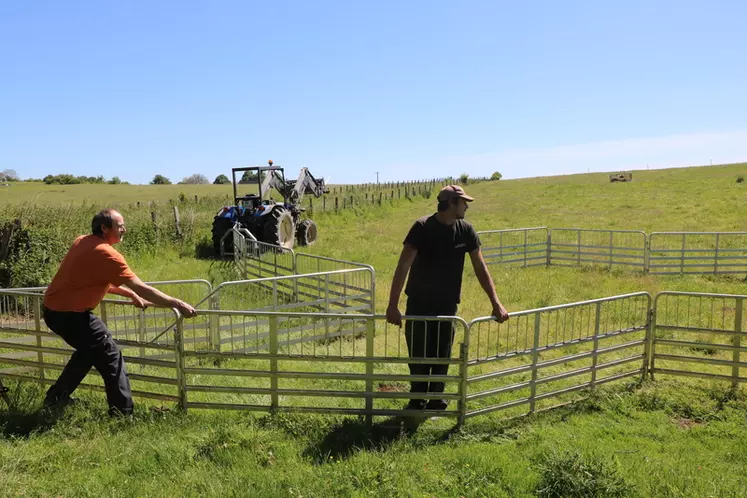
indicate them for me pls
(411, 89)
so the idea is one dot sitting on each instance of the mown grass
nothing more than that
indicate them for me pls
(672, 437)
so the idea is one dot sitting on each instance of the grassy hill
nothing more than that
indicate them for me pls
(672, 437)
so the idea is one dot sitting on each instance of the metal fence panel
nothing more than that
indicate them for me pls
(517, 247)
(318, 362)
(255, 259)
(579, 246)
(541, 357)
(343, 291)
(700, 335)
(30, 351)
(698, 252)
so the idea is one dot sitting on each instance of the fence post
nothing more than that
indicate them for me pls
(273, 363)
(181, 379)
(337, 205)
(154, 220)
(646, 253)
(370, 329)
(611, 235)
(715, 256)
(177, 222)
(525, 248)
(464, 374)
(324, 203)
(737, 342)
(648, 348)
(595, 349)
(579, 247)
(535, 360)
(214, 323)
(37, 325)
(682, 255)
(548, 247)
(141, 333)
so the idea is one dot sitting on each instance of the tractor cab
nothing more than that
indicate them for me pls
(278, 223)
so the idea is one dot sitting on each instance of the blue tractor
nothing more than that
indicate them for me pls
(274, 222)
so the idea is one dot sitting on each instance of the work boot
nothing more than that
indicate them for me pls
(415, 404)
(437, 404)
(59, 401)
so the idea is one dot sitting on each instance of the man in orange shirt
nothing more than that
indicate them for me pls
(91, 269)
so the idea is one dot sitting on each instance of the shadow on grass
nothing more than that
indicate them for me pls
(354, 435)
(20, 412)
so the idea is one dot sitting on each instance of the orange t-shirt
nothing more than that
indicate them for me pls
(88, 269)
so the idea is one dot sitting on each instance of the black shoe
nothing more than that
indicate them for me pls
(115, 412)
(415, 404)
(59, 401)
(437, 405)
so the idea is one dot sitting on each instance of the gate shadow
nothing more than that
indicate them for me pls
(354, 435)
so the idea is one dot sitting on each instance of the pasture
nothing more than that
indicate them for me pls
(671, 437)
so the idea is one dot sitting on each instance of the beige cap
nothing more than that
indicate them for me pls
(453, 192)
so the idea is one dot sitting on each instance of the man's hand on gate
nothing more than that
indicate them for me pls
(500, 313)
(393, 316)
(139, 302)
(185, 309)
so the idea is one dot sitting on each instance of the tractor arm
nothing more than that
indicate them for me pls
(307, 184)
(272, 180)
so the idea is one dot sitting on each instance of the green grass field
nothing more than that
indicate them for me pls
(671, 437)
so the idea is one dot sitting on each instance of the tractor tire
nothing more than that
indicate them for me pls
(279, 228)
(220, 227)
(306, 233)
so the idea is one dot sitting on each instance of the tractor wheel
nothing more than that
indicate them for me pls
(220, 227)
(279, 229)
(306, 233)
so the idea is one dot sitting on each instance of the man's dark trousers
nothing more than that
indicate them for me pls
(94, 347)
(428, 339)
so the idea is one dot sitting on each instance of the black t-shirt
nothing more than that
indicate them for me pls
(436, 273)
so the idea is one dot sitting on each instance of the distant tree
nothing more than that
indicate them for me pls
(160, 180)
(9, 175)
(115, 181)
(496, 176)
(464, 178)
(221, 180)
(196, 179)
(248, 177)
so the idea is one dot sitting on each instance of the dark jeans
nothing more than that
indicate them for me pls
(94, 347)
(428, 339)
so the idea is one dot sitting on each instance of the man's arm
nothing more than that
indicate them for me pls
(406, 258)
(157, 297)
(124, 292)
(486, 282)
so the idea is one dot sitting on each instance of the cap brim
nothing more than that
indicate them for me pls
(467, 198)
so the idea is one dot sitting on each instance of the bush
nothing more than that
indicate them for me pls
(160, 180)
(196, 179)
(569, 474)
(496, 176)
(221, 180)
(464, 178)
(740, 179)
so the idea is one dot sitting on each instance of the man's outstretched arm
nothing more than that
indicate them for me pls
(125, 292)
(406, 258)
(157, 297)
(486, 282)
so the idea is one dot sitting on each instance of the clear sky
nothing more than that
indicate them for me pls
(411, 89)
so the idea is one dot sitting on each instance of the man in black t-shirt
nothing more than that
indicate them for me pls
(433, 254)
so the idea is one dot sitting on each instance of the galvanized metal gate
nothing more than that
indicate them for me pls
(355, 363)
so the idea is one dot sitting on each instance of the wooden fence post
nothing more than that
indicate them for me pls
(177, 222)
